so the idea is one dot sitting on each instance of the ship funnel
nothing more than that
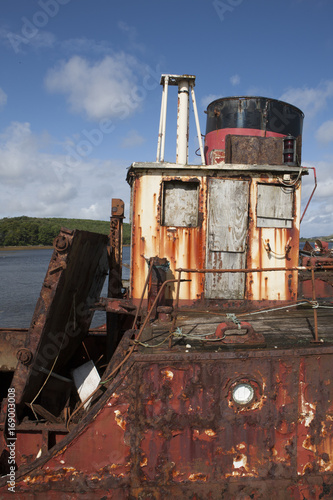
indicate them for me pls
(252, 116)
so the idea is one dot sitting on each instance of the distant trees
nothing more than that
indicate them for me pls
(25, 231)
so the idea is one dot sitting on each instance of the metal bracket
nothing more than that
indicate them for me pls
(230, 333)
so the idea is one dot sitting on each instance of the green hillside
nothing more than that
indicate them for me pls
(26, 231)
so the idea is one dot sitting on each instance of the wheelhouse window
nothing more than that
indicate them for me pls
(180, 203)
(275, 206)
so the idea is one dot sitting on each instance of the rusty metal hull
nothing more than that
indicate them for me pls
(11, 341)
(62, 316)
(168, 425)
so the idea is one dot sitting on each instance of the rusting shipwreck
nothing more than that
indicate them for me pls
(212, 377)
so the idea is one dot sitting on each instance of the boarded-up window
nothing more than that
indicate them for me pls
(180, 204)
(228, 209)
(275, 206)
(227, 235)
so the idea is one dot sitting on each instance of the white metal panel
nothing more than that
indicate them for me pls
(278, 223)
(275, 206)
(86, 380)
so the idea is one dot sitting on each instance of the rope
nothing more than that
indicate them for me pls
(180, 335)
(145, 344)
(234, 319)
(314, 305)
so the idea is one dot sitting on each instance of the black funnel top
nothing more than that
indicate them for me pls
(260, 113)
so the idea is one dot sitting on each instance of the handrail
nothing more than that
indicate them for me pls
(251, 270)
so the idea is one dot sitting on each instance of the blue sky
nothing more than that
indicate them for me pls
(80, 94)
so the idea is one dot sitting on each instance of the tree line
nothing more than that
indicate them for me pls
(26, 231)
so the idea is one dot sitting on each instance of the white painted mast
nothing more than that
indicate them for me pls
(185, 85)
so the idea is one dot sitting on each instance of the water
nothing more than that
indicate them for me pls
(22, 273)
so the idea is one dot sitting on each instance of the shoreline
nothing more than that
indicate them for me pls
(27, 247)
(32, 247)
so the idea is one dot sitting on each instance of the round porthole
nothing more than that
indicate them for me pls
(243, 394)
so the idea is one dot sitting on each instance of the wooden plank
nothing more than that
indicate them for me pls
(45, 414)
(227, 232)
(180, 208)
(228, 214)
(228, 285)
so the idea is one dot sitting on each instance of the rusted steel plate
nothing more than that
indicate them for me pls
(254, 150)
(11, 341)
(272, 247)
(115, 248)
(151, 236)
(62, 316)
(323, 287)
(171, 425)
(117, 306)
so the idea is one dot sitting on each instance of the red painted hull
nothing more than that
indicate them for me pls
(167, 426)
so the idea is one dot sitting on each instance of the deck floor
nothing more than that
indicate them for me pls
(282, 329)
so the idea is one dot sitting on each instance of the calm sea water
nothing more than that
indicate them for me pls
(22, 273)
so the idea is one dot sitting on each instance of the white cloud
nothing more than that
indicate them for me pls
(325, 132)
(256, 90)
(40, 184)
(235, 80)
(318, 220)
(3, 98)
(132, 35)
(132, 139)
(18, 150)
(309, 100)
(130, 30)
(102, 89)
(207, 99)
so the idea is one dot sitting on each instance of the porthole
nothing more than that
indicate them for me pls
(243, 394)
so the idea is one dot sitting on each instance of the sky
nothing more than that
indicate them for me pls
(80, 94)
